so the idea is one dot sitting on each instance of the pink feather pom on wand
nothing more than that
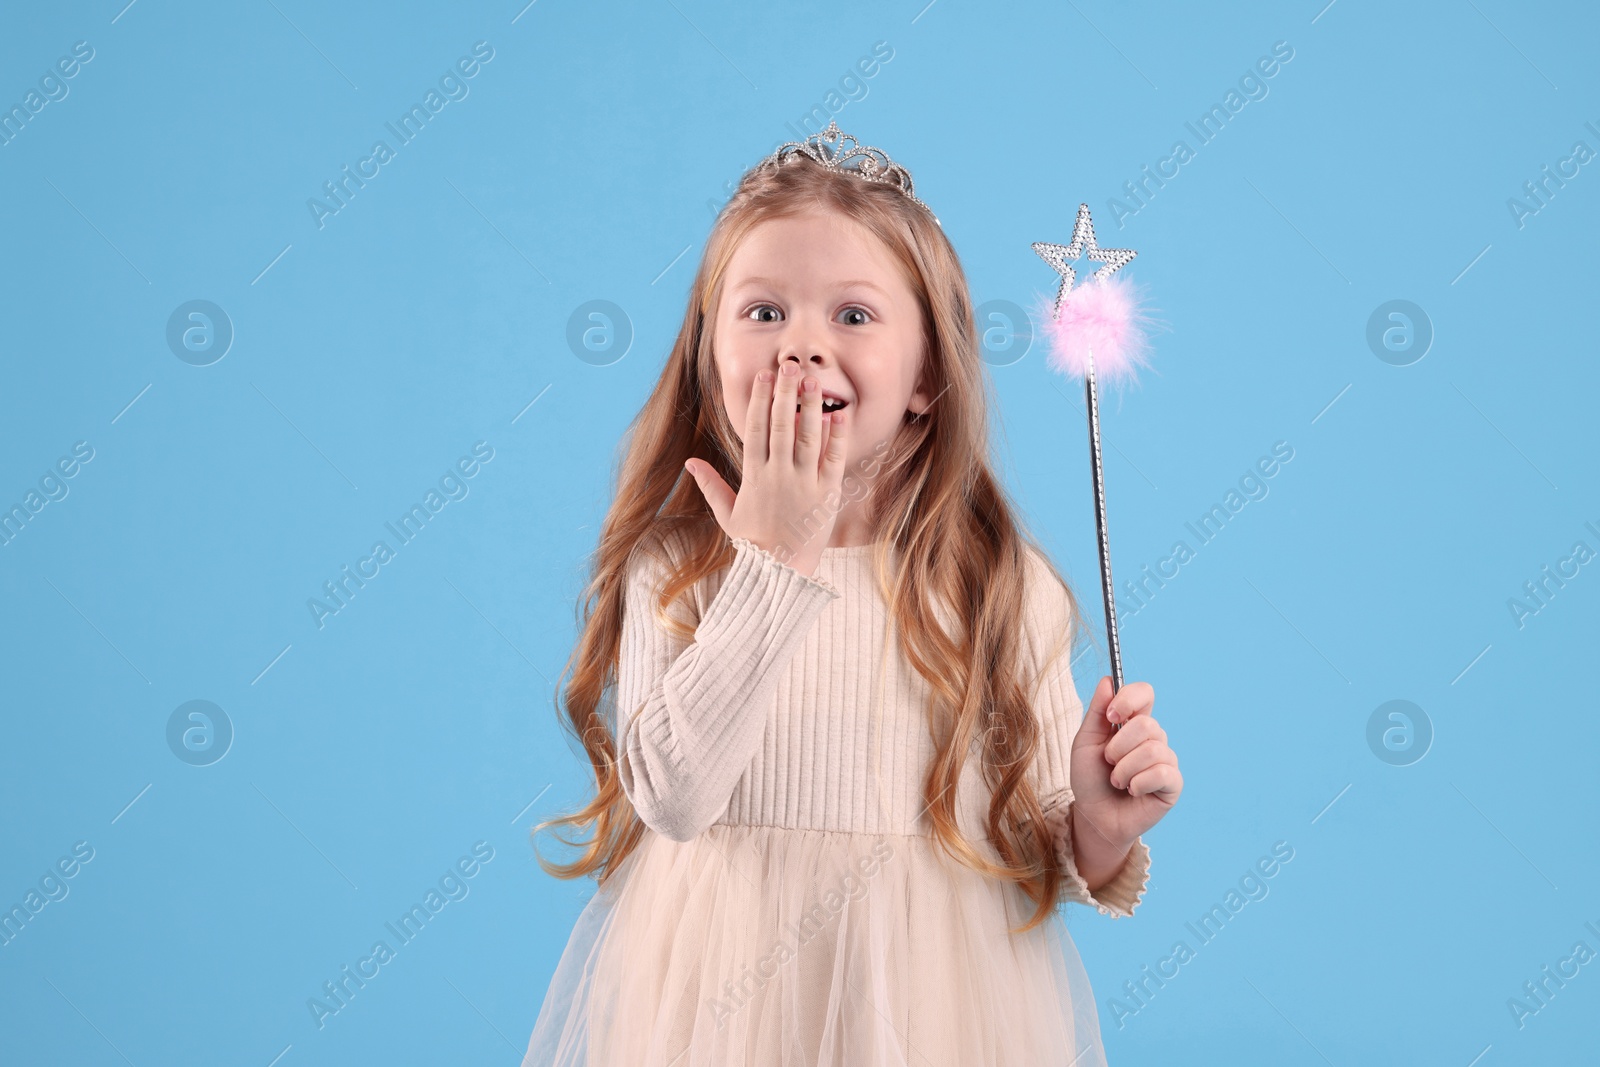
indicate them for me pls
(1095, 330)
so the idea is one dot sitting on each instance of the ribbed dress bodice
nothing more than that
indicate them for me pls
(848, 740)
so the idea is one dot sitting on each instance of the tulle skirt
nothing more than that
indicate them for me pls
(776, 946)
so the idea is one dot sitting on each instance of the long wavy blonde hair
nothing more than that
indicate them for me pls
(935, 498)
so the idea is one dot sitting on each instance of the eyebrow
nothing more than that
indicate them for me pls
(748, 282)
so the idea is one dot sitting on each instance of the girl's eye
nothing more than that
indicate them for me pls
(756, 314)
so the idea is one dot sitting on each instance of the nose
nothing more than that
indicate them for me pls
(807, 364)
(806, 348)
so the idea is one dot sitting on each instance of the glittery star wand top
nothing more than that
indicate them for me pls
(1095, 327)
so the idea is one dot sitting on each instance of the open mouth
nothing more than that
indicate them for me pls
(829, 403)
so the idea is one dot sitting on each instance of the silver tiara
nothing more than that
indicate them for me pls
(843, 153)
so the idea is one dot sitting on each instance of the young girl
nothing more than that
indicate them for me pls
(843, 774)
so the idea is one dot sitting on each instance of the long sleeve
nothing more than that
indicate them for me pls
(1047, 616)
(692, 713)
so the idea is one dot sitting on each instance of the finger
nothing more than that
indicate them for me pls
(808, 431)
(1162, 778)
(784, 399)
(824, 435)
(1144, 728)
(755, 420)
(1094, 720)
(832, 472)
(718, 493)
(827, 434)
(1134, 698)
(1148, 754)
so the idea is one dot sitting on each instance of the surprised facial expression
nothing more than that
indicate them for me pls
(822, 290)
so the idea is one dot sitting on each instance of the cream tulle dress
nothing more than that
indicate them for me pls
(786, 904)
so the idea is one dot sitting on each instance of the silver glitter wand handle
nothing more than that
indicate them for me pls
(1115, 648)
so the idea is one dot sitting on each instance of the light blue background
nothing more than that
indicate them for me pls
(431, 312)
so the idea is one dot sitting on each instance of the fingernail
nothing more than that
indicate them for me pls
(764, 376)
(809, 385)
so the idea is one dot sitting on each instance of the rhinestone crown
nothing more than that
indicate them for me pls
(841, 152)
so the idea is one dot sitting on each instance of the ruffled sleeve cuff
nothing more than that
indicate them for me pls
(773, 564)
(1118, 897)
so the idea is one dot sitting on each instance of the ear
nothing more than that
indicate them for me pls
(922, 397)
